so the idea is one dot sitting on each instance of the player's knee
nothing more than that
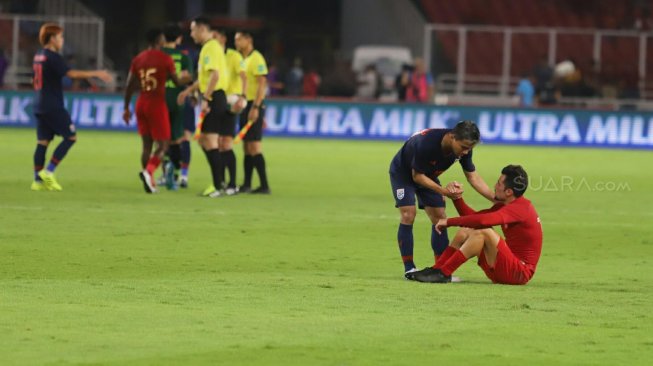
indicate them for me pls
(408, 216)
(72, 139)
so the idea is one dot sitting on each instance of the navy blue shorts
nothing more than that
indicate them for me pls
(188, 113)
(56, 122)
(404, 190)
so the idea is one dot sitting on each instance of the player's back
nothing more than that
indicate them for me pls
(426, 142)
(49, 68)
(152, 67)
(525, 236)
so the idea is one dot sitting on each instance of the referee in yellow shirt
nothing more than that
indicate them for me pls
(212, 82)
(256, 70)
(235, 87)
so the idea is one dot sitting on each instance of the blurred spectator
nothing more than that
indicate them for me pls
(4, 65)
(311, 83)
(368, 83)
(548, 94)
(526, 91)
(543, 73)
(402, 80)
(340, 80)
(295, 79)
(275, 86)
(421, 87)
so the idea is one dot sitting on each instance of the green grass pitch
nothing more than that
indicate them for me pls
(102, 273)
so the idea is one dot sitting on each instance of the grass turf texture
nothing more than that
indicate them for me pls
(102, 273)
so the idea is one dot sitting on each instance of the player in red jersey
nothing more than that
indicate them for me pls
(148, 73)
(511, 261)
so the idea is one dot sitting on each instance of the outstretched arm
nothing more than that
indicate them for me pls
(479, 185)
(103, 75)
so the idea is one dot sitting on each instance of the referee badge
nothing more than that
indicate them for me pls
(400, 193)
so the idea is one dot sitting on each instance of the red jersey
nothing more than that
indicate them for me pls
(152, 68)
(519, 221)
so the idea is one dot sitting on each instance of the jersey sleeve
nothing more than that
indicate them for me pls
(497, 215)
(467, 163)
(260, 67)
(59, 66)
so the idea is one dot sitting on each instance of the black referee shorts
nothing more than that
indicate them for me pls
(256, 132)
(216, 119)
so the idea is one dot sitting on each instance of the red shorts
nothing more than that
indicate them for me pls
(153, 120)
(508, 269)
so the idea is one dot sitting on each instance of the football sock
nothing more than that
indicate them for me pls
(213, 156)
(439, 242)
(456, 260)
(249, 169)
(152, 164)
(59, 154)
(405, 240)
(39, 160)
(175, 155)
(229, 161)
(442, 258)
(259, 164)
(185, 157)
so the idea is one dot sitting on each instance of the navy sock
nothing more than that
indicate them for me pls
(59, 153)
(259, 164)
(175, 155)
(185, 157)
(229, 161)
(405, 240)
(39, 160)
(249, 169)
(439, 242)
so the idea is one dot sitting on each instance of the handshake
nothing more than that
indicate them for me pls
(454, 190)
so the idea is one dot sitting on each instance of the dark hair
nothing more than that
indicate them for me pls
(466, 130)
(516, 179)
(245, 33)
(153, 35)
(171, 32)
(203, 21)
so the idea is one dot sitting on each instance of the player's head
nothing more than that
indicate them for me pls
(154, 37)
(51, 35)
(200, 30)
(243, 40)
(220, 35)
(465, 136)
(172, 33)
(511, 184)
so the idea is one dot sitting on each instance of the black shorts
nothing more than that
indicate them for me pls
(54, 122)
(255, 133)
(404, 190)
(214, 121)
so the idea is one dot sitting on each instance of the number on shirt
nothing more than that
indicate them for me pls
(38, 76)
(148, 81)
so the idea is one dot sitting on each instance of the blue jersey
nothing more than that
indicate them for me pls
(49, 69)
(423, 153)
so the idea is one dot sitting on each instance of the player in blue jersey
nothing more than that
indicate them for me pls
(51, 116)
(414, 172)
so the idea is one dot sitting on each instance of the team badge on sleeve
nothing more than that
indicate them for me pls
(400, 193)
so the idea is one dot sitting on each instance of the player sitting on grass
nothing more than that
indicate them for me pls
(511, 261)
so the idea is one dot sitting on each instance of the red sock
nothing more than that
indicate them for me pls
(152, 164)
(456, 260)
(444, 257)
